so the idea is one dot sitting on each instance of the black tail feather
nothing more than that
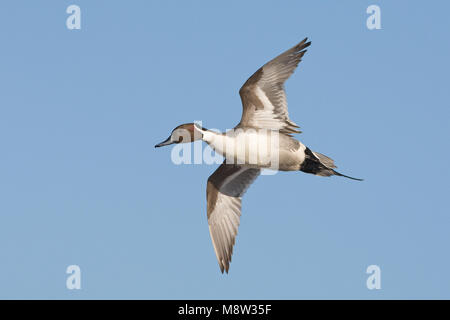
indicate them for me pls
(320, 165)
(343, 175)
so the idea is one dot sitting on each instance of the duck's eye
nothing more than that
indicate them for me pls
(180, 139)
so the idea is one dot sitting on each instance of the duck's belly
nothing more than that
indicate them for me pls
(262, 148)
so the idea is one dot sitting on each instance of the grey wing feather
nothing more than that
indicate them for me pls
(263, 95)
(224, 190)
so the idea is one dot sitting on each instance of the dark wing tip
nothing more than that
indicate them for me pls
(303, 44)
(300, 49)
(226, 264)
(224, 267)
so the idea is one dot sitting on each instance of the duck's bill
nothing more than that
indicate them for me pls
(164, 143)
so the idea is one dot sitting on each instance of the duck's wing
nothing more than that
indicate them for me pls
(263, 96)
(223, 194)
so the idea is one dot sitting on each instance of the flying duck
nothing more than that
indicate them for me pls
(262, 139)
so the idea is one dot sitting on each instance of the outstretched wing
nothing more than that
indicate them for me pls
(263, 97)
(223, 193)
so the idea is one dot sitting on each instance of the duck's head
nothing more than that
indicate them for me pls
(188, 132)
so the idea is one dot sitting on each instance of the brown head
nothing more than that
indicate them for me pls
(182, 134)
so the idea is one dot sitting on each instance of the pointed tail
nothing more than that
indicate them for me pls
(321, 165)
(343, 175)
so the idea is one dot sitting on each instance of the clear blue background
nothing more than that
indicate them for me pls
(80, 181)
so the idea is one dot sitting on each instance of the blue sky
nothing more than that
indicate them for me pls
(80, 181)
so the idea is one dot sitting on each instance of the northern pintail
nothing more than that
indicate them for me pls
(262, 138)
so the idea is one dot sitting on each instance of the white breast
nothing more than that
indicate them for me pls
(250, 147)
